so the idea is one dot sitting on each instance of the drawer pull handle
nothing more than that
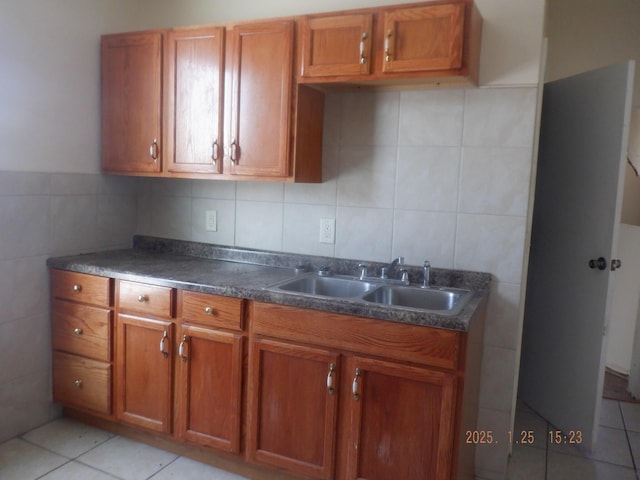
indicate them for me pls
(354, 385)
(208, 310)
(78, 383)
(164, 353)
(142, 298)
(181, 348)
(77, 288)
(153, 150)
(330, 379)
(363, 58)
(387, 46)
(77, 331)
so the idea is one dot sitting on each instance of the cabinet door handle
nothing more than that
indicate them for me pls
(208, 310)
(142, 298)
(153, 150)
(363, 58)
(387, 46)
(330, 375)
(164, 353)
(77, 331)
(215, 151)
(234, 151)
(354, 385)
(78, 383)
(181, 348)
(77, 288)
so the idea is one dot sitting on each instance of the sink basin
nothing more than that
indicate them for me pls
(326, 286)
(437, 299)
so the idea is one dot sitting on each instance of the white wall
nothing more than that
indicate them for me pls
(587, 34)
(50, 84)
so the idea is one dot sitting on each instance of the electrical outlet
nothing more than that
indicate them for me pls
(327, 230)
(211, 221)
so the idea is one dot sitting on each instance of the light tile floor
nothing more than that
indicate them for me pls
(617, 456)
(69, 450)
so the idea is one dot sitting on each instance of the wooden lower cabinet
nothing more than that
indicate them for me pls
(401, 421)
(292, 407)
(313, 394)
(209, 387)
(144, 372)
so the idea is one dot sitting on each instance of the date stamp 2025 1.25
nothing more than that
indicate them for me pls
(524, 437)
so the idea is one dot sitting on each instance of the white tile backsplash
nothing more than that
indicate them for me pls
(436, 174)
(259, 225)
(420, 236)
(428, 178)
(369, 118)
(363, 233)
(499, 117)
(367, 176)
(431, 118)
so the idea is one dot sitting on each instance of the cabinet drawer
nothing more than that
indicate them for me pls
(147, 299)
(212, 310)
(81, 382)
(81, 287)
(81, 329)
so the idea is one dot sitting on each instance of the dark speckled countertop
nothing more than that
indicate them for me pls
(244, 273)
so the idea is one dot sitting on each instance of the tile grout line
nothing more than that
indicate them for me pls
(626, 434)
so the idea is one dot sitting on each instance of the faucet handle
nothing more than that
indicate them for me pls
(404, 276)
(363, 270)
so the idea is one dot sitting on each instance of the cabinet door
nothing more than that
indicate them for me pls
(292, 407)
(336, 45)
(193, 100)
(208, 387)
(401, 422)
(261, 69)
(144, 372)
(423, 38)
(131, 102)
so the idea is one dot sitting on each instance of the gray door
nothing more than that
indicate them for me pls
(583, 144)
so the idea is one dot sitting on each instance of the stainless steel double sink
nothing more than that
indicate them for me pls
(445, 300)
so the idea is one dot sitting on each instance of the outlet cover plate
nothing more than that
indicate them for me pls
(327, 230)
(211, 221)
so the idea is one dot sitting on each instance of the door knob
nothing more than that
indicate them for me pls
(600, 263)
(615, 264)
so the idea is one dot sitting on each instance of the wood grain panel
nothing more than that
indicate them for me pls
(212, 310)
(429, 346)
(81, 287)
(146, 299)
(292, 414)
(209, 389)
(81, 382)
(81, 329)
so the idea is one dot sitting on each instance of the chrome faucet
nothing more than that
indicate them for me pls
(426, 273)
(385, 271)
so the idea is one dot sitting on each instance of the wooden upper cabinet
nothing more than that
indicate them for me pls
(336, 45)
(259, 97)
(193, 82)
(131, 102)
(430, 42)
(423, 38)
